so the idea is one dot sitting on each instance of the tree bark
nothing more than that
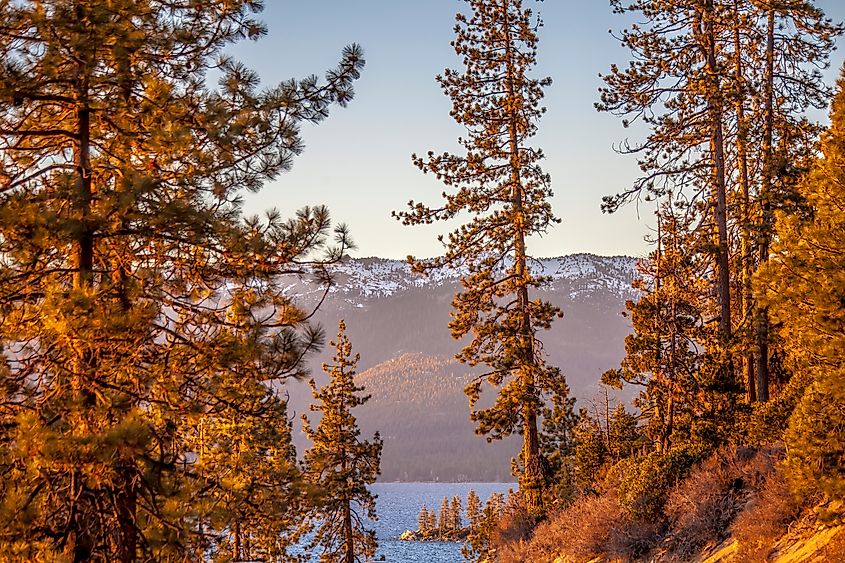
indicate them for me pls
(747, 298)
(718, 188)
(532, 480)
(673, 343)
(80, 541)
(762, 314)
(126, 500)
(236, 548)
(348, 536)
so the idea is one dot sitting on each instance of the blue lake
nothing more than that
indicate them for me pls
(398, 506)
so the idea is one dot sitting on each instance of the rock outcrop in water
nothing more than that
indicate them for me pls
(452, 535)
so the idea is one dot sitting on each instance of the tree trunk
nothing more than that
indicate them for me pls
(126, 499)
(126, 502)
(747, 297)
(532, 480)
(762, 316)
(673, 347)
(666, 371)
(236, 547)
(348, 534)
(718, 189)
(80, 544)
(670, 421)
(348, 530)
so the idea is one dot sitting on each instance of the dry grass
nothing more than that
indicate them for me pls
(701, 509)
(739, 491)
(590, 527)
(765, 519)
(513, 534)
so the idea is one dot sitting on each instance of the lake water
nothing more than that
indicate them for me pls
(398, 506)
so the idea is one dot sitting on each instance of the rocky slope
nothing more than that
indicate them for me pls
(808, 541)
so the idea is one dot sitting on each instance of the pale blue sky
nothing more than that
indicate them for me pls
(358, 161)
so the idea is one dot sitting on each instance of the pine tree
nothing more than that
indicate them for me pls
(260, 498)
(478, 547)
(798, 41)
(340, 464)
(445, 519)
(668, 354)
(499, 182)
(623, 433)
(803, 285)
(422, 521)
(456, 511)
(590, 452)
(723, 86)
(136, 301)
(473, 508)
(680, 43)
(556, 445)
(432, 521)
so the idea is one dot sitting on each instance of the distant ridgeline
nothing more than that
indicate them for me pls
(399, 324)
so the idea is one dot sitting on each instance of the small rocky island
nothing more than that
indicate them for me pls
(449, 524)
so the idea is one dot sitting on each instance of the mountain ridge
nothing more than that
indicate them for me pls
(383, 277)
(398, 322)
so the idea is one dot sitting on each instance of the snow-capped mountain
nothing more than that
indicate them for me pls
(397, 311)
(398, 322)
(580, 274)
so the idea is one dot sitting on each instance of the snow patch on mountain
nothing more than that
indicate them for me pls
(575, 275)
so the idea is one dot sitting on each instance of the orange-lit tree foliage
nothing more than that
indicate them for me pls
(341, 465)
(499, 184)
(143, 323)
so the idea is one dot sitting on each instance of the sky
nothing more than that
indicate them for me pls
(358, 161)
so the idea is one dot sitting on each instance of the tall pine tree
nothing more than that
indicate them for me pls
(723, 86)
(498, 182)
(473, 508)
(674, 85)
(340, 464)
(136, 302)
(790, 42)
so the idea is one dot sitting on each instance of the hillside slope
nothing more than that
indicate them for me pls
(737, 505)
(429, 436)
(808, 542)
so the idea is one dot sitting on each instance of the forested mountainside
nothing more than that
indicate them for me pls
(419, 407)
(398, 322)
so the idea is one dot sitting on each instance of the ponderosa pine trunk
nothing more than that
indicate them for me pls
(236, 547)
(126, 496)
(762, 314)
(718, 188)
(531, 481)
(673, 340)
(746, 295)
(127, 504)
(348, 531)
(79, 540)
(348, 535)
(662, 414)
